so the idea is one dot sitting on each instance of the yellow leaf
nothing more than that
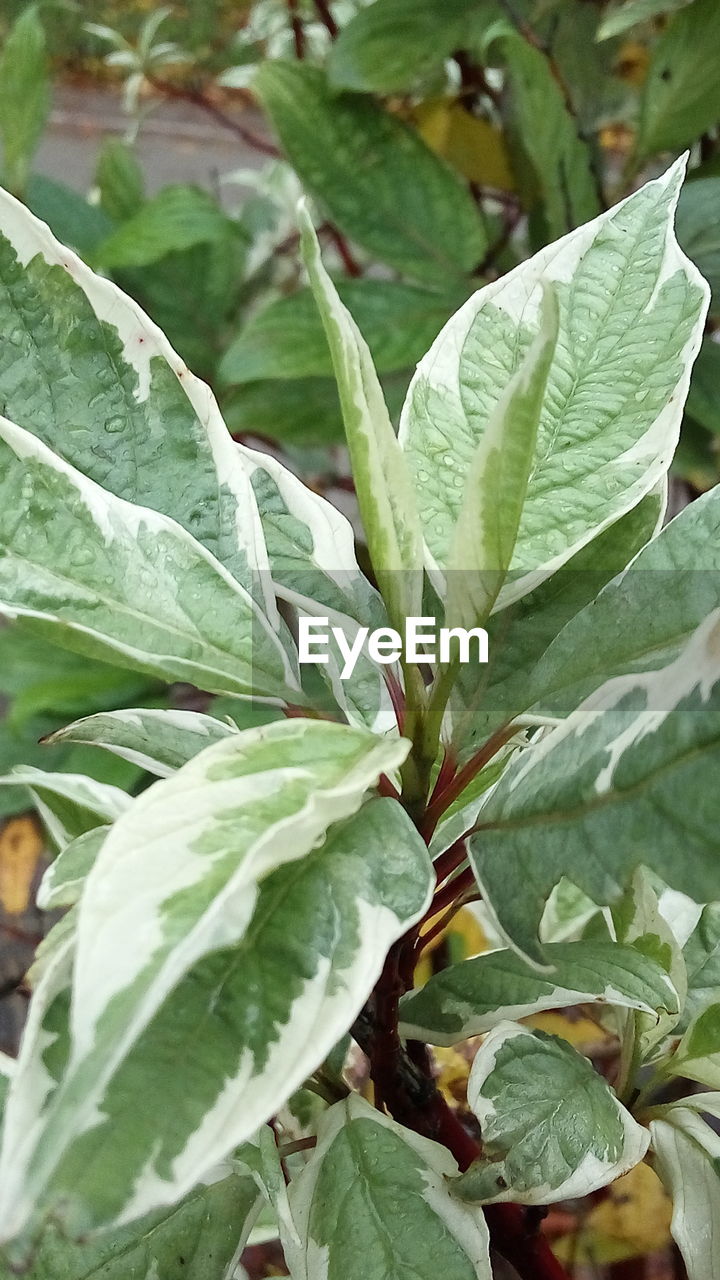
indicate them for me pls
(21, 848)
(571, 1025)
(632, 1220)
(473, 146)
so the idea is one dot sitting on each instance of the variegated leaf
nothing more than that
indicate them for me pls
(697, 1056)
(159, 741)
(201, 1238)
(702, 959)
(373, 1203)
(637, 919)
(263, 978)
(124, 583)
(64, 879)
(311, 547)
(552, 1127)
(686, 1154)
(632, 310)
(469, 998)
(69, 803)
(137, 1119)
(85, 370)
(486, 530)
(624, 781)
(384, 489)
(641, 619)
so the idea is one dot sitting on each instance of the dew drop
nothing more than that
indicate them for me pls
(115, 425)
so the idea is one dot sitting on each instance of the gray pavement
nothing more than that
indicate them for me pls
(178, 142)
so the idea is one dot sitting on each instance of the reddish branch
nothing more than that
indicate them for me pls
(201, 100)
(325, 16)
(442, 800)
(297, 29)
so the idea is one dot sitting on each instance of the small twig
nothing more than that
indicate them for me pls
(301, 1144)
(440, 803)
(297, 29)
(326, 18)
(351, 266)
(199, 99)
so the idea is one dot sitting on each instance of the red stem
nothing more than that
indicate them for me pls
(441, 802)
(351, 266)
(326, 17)
(297, 29)
(198, 99)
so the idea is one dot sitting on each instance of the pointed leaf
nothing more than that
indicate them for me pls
(487, 526)
(25, 96)
(469, 998)
(615, 389)
(385, 492)
(372, 1203)
(158, 741)
(122, 582)
(548, 134)
(681, 93)
(552, 1127)
(637, 919)
(378, 181)
(69, 803)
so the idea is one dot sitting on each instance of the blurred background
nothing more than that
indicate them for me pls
(441, 142)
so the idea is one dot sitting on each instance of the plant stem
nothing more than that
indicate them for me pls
(326, 17)
(297, 29)
(199, 99)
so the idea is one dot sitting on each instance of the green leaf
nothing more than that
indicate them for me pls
(621, 17)
(623, 782)
(548, 135)
(314, 567)
(69, 215)
(469, 998)
(177, 218)
(488, 521)
(373, 1203)
(288, 968)
(641, 619)
(120, 180)
(298, 412)
(159, 741)
(63, 882)
(697, 1057)
(384, 489)
(615, 390)
(85, 370)
(24, 95)
(104, 576)
(686, 1154)
(552, 1127)
(201, 1238)
(69, 803)
(698, 229)
(681, 93)
(378, 181)
(287, 340)
(637, 919)
(702, 958)
(703, 402)
(391, 46)
(520, 635)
